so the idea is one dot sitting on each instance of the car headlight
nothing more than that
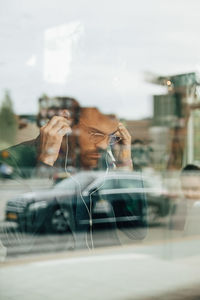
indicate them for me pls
(36, 205)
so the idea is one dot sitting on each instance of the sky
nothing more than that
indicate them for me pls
(95, 50)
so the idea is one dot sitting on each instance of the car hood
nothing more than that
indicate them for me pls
(47, 195)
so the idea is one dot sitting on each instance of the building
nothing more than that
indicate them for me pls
(176, 120)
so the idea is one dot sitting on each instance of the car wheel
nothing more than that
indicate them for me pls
(60, 221)
(152, 214)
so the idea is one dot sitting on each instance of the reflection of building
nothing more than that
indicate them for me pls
(141, 154)
(50, 106)
(139, 129)
(27, 128)
(174, 119)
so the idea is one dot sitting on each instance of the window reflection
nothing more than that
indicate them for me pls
(99, 147)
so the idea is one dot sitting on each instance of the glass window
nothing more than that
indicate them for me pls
(107, 184)
(99, 95)
(129, 183)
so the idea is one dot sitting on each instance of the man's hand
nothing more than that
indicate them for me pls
(125, 153)
(124, 134)
(51, 136)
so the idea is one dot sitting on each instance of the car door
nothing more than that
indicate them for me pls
(125, 195)
(130, 200)
(103, 196)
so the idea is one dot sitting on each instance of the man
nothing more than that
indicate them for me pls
(91, 141)
(187, 213)
(84, 143)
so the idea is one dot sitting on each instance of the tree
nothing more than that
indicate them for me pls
(8, 122)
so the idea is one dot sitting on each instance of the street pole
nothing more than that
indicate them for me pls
(190, 135)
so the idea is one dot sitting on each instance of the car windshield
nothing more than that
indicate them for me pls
(78, 181)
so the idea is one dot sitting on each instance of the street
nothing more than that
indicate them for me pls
(19, 245)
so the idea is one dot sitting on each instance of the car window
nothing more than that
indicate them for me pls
(108, 184)
(147, 184)
(152, 184)
(74, 182)
(129, 183)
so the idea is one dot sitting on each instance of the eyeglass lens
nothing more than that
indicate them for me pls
(113, 139)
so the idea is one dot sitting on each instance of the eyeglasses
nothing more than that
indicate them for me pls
(97, 137)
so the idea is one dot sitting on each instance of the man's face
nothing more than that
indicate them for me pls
(191, 187)
(94, 134)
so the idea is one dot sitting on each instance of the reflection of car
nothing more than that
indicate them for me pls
(6, 171)
(158, 199)
(84, 198)
(58, 177)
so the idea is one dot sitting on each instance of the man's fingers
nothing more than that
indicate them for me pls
(54, 125)
(60, 128)
(122, 129)
(64, 113)
(64, 130)
(125, 135)
(60, 122)
(55, 120)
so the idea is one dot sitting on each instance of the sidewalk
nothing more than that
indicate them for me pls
(110, 273)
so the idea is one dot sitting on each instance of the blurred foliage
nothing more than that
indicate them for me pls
(8, 121)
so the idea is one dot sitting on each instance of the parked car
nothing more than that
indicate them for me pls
(85, 198)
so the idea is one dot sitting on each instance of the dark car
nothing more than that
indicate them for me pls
(85, 199)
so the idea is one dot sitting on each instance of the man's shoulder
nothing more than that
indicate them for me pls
(23, 154)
